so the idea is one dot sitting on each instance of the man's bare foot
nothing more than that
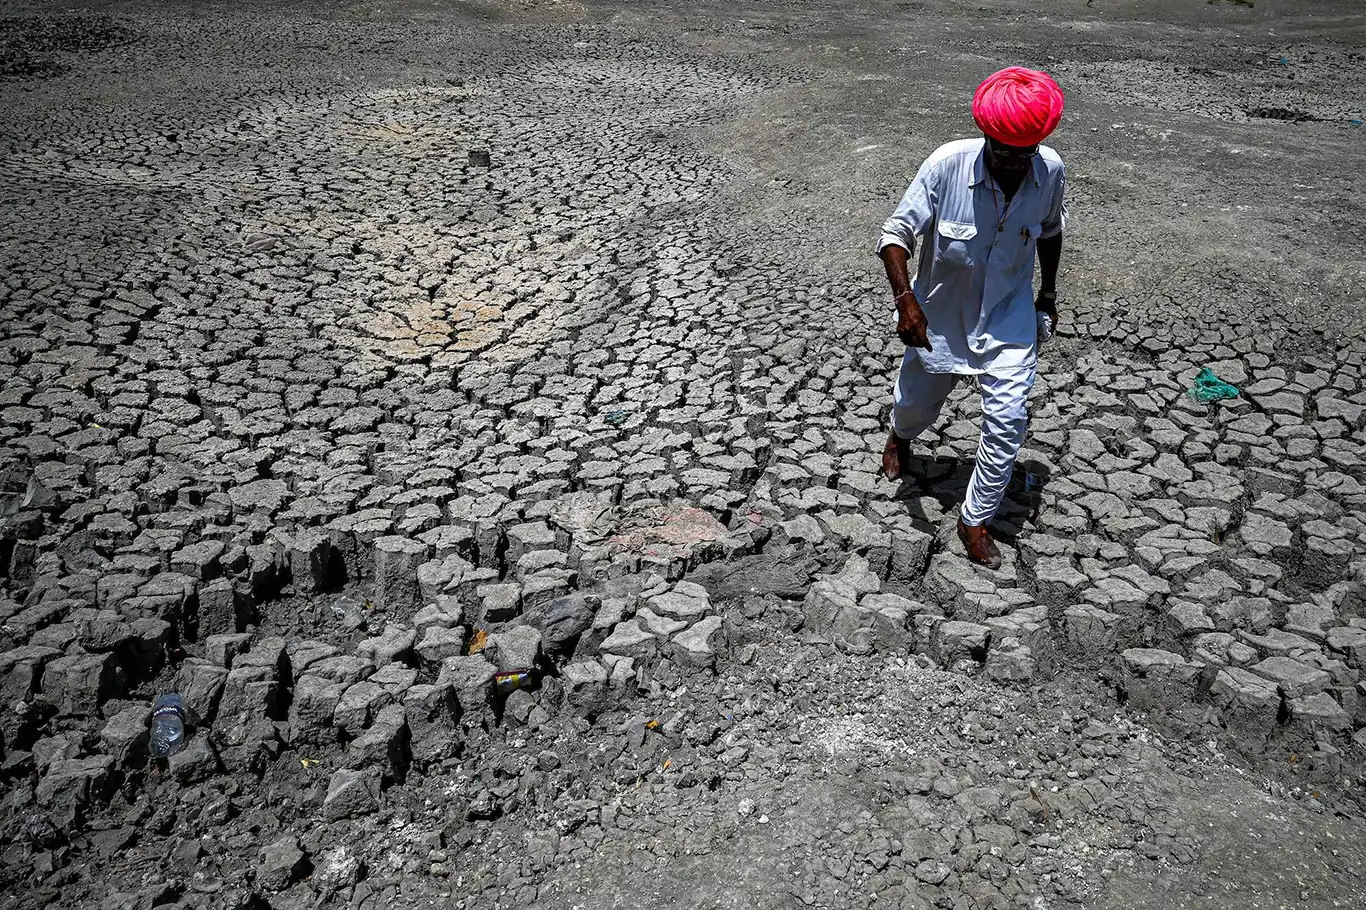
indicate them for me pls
(895, 456)
(981, 548)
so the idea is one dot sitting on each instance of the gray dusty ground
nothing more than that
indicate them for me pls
(354, 354)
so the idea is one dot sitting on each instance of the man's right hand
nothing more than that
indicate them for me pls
(911, 326)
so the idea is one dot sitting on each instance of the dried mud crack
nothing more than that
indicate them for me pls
(359, 366)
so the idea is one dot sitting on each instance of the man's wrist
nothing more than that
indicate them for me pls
(1048, 292)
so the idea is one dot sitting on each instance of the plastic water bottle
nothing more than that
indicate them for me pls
(168, 726)
(1045, 326)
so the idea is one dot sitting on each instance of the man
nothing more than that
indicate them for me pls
(983, 208)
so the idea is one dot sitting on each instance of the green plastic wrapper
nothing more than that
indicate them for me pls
(1209, 387)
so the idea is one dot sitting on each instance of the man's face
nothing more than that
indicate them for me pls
(1010, 159)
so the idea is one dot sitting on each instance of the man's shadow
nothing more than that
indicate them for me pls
(945, 480)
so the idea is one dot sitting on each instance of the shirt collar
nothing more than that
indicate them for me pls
(979, 167)
(980, 174)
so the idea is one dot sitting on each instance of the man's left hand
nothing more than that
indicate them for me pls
(1047, 302)
(1046, 315)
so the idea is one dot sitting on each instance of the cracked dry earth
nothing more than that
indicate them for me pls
(355, 355)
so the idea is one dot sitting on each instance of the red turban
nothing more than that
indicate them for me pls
(1017, 106)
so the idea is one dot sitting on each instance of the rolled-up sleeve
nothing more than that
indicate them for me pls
(1056, 222)
(915, 212)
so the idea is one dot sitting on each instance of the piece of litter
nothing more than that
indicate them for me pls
(478, 640)
(512, 680)
(1209, 387)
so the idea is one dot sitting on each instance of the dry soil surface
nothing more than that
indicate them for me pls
(356, 356)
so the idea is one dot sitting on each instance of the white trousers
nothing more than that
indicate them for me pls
(918, 398)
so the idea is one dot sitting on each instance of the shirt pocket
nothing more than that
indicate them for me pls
(1023, 260)
(954, 243)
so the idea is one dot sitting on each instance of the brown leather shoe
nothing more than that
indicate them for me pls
(895, 456)
(981, 548)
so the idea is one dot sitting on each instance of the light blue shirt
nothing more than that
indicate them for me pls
(975, 282)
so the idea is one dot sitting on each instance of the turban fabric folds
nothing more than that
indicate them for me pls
(1017, 106)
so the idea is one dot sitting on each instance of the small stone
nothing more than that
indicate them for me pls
(432, 712)
(393, 644)
(77, 684)
(805, 529)
(383, 745)
(218, 608)
(629, 639)
(696, 646)
(1249, 702)
(1154, 678)
(440, 643)
(659, 626)
(337, 868)
(351, 794)
(1319, 712)
(310, 561)
(955, 640)
(516, 649)
(125, 736)
(910, 549)
(396, 563)
(72, 785)
(197, 762)
(1293, 678)
(499, 602)
(585, 686)
(687, 601)
(224, 648)
(561, 622)
(518, 706)
(471, 676)
(282, 863)
(358, 706)
(1009, 662)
